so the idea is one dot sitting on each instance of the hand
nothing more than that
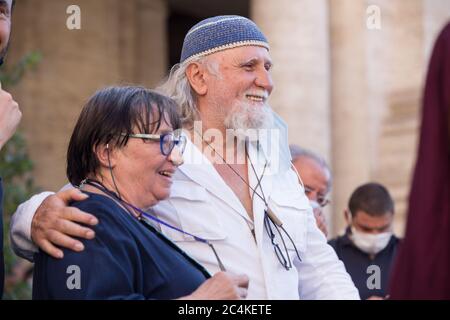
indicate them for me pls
(377, 298)
(54, 223)
(10, 116)
(222, 286)
(320, 220)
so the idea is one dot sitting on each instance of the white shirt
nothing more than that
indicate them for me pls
(202, 204)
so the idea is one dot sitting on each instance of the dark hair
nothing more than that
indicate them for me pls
(107, 115)
(5, 49)
(372, 198)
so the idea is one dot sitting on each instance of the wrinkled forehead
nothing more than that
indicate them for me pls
(310, 165)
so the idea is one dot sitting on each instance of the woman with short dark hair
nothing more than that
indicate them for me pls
(123, 152)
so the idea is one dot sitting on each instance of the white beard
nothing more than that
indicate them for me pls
(246, 119)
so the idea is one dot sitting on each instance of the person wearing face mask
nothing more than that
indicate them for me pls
(368, 247)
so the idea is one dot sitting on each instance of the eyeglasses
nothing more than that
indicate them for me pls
(321, 199)
(167, 141)
(284, 260)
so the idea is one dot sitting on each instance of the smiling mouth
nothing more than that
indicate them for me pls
(166, 174)
(256, 98)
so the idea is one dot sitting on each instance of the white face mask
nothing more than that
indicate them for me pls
(314, 204)
(370, 243)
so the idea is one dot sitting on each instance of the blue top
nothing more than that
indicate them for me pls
(127, 259)
(2, 265)
(357, 264)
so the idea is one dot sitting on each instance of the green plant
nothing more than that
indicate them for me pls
(11, 76)
(15, 170)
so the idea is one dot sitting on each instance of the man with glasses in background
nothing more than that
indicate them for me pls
(316, 177)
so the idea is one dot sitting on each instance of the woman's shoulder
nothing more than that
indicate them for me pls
(114, 221)
(99, 205)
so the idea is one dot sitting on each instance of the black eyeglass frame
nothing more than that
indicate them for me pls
(323, 201)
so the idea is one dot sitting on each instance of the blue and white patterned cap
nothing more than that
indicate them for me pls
(221, 33)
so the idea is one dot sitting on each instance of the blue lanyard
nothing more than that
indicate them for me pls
(112, 194)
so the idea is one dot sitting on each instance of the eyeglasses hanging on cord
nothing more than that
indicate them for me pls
(270, 218)
(142, 214)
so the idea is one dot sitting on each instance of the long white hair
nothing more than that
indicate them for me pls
(177, 87)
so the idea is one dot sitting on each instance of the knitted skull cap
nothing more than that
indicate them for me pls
(221, 33)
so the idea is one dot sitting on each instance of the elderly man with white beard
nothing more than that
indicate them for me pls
(235, 204)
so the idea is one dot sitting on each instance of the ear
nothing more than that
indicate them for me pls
(347, 216)
(195, 74)
(106, 155)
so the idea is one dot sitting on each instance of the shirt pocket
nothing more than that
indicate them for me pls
(194, 214)
(292, 209)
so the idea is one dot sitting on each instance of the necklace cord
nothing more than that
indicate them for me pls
(98, 185)
(268, 212)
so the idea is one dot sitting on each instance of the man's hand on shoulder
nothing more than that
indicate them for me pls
(56, 224)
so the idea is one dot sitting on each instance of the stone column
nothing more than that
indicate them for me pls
(376, 88)
(395, 75)
(152, 43)
(298, 34)
(350, 138)
(118, 43)
(297, 31)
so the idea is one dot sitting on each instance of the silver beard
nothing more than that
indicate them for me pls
(246, 119)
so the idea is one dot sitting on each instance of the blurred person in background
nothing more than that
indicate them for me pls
(422, 270)
(368, 247)
(316, 177)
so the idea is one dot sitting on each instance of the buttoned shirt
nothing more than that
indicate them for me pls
(202, 204)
